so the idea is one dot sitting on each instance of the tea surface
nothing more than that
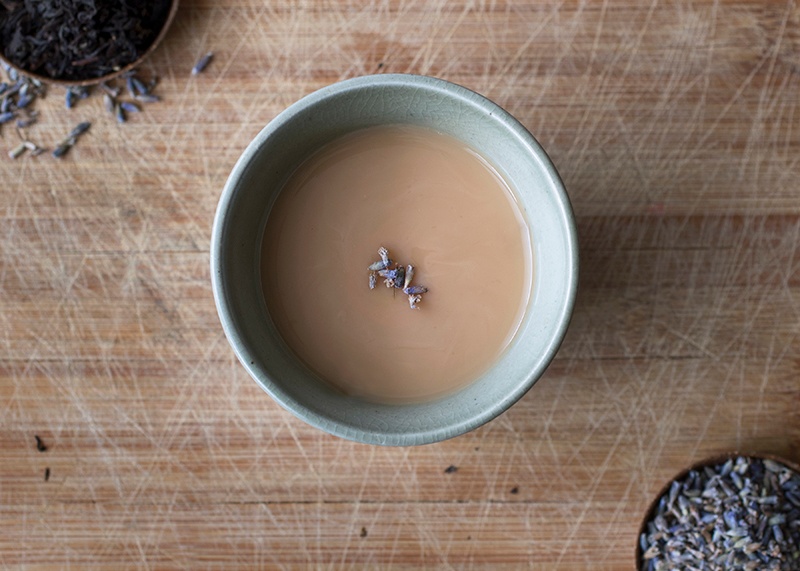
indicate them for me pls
(433, 203)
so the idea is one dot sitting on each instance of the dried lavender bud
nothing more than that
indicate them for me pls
(148, 98)
(7, 116)
(400, 279)
(129, 85)
(409, 276)
(35, 149)
(27, 121)
(393, 277)
(79, 129)
(413, 300)
(108, 102)
(120, 113)
(202, 63)
(414, 290)
(373, 279)
(139, 88)
(112, 91)
(62, 149)
(17, 151)
(69, 99)
(384, 262)
(129, 107)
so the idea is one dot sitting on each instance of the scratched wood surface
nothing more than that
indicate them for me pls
(676, 127)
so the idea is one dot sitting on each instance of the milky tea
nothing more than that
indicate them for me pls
(433, 203)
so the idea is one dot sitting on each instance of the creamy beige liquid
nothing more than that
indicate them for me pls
(432, 203)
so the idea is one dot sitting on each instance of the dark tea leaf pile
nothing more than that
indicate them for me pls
(740, 515)
(78, 39)
(395, 276)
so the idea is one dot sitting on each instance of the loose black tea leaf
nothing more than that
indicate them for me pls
(39, 444)
(78, 39)
(451, 469)
(46, 474)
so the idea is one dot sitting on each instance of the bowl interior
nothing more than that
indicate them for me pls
(318, 119)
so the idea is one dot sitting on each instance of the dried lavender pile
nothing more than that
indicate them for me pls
(743, 514)
(18, 93)
(395, 276)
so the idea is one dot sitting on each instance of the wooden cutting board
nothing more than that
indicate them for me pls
(676, 127)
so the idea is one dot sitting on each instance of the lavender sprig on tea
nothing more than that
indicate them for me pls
(740, 515)
(395, 276)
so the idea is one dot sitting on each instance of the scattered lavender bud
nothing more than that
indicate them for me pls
(129, 85)
(23, 101)
(17, 151)
(27, 122)
(120, 113)
(108, 102)
(373, 280)
(62, 149)
(138, 87)
(79, 129)
(7, 116)
(35, 149)
(69, 98)
(413, 300)
(202, 63)
(112, 91)
(148, 98)
(129, 107)
(415, 290)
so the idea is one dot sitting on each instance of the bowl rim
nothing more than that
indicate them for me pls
(173, 10)
(720, 458)
(409, 436)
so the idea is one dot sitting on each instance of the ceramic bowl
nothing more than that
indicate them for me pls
(173, 9)
(328, 114)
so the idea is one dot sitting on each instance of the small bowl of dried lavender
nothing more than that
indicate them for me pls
(81, 42)
(729, 513)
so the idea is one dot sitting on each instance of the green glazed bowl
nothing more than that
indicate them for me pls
(319, 118)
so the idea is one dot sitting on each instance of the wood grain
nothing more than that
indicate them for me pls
(676, 127)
